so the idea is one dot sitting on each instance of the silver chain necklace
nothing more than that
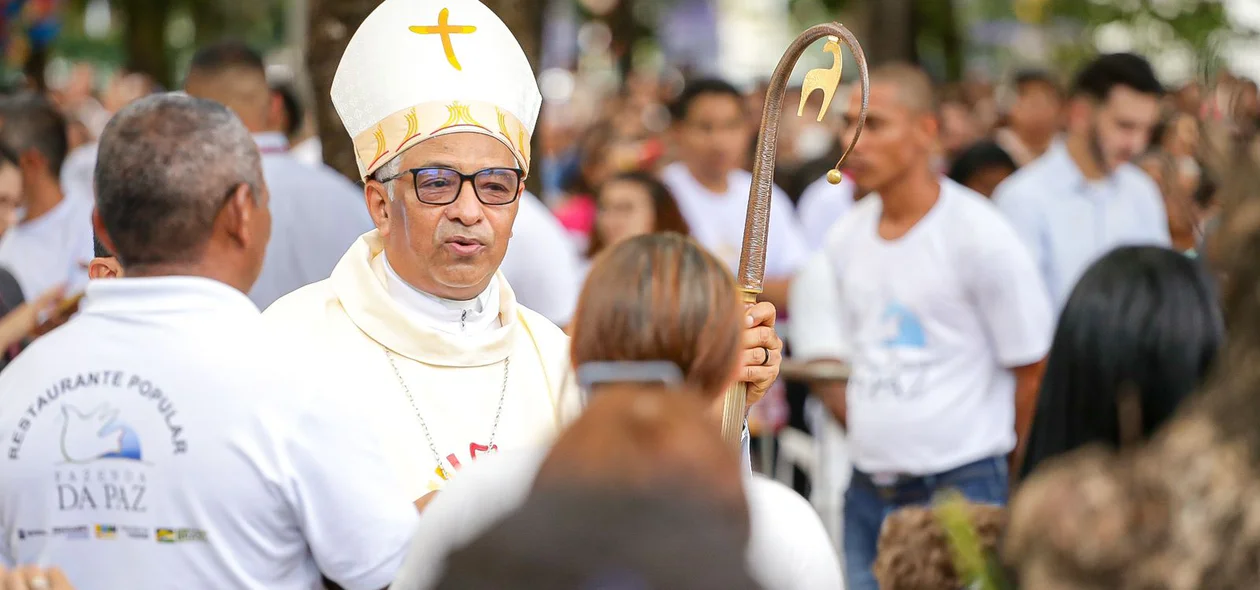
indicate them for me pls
(425, 427)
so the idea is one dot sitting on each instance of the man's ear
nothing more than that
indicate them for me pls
(104, 268)
(276, 114)
(1079, 112)
(237, 214)
(929, 130)
(376, 196)
(32, 162)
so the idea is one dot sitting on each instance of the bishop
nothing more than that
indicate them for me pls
(440, 102)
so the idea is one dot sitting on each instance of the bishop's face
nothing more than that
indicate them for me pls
(450, 251)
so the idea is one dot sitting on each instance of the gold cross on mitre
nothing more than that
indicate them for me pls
(445, 30)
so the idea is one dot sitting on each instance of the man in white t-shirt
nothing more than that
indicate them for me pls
(164, 438)
(944, 320)
(52, 241)
(712, 136)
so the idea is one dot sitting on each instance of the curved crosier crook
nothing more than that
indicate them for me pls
(752, 259)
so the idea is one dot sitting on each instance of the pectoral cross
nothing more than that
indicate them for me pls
(445, 30)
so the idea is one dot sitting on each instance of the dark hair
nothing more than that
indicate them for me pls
(292, 107)
(667, 217)
(1026, 78)
(592, 151)
(1142, 319)
(603, 539)
(980, 156)
(661, 297)
(695, 89)
(98, 249)
(224, 55)
(1105, 73)
(150, 149)
(30, 121)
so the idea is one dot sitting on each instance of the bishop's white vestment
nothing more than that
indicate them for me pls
(448, 386)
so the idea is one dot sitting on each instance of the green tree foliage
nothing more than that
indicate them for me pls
(157, 38)
(1201, 27)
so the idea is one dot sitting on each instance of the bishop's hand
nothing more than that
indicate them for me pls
(762, 351)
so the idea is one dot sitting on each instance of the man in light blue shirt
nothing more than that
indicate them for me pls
(1084, 197)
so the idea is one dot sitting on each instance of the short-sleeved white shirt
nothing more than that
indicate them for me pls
(717, 220)
(164, 439)
(53, 249)
(933, 322)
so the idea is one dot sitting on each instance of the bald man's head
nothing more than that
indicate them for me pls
(233, 75)
(914, 87)
(901, 130)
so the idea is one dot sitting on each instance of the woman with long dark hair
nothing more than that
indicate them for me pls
(1137, 336)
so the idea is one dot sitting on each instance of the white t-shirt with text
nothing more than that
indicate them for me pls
(933, 323)
(163, 438)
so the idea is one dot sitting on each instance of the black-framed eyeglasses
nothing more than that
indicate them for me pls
(441, 186)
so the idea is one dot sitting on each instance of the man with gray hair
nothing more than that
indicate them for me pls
(165, 421)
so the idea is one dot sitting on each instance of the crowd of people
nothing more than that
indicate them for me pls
(225, 365)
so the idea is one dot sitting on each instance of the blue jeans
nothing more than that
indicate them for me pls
(867, 504)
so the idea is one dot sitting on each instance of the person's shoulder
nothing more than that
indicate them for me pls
(305, 304)
(536, 221)
(976, 222)
(766, 494)
(1029, 183)
(283, 170)
(861, 215)
(823, 192)
(975, 207)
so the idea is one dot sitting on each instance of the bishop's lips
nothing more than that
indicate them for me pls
(464, 245)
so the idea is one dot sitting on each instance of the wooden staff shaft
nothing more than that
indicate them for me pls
(752, 258)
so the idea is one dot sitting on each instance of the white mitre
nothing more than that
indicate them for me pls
(418, 69)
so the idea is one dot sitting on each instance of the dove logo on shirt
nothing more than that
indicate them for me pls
(907, 332)
(96, 434)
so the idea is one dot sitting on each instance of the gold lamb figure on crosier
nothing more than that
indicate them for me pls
(824, 79)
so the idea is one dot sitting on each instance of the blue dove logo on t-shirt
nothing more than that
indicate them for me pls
(96, 434)
(907, 331)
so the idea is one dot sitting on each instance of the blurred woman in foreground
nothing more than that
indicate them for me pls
(658, 297)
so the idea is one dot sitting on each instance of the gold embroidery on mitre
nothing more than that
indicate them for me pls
(413, 128)
(445, 30)
(503, 127)
(460, 114)
(379, 136)
(523, 139)
(416, 123)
